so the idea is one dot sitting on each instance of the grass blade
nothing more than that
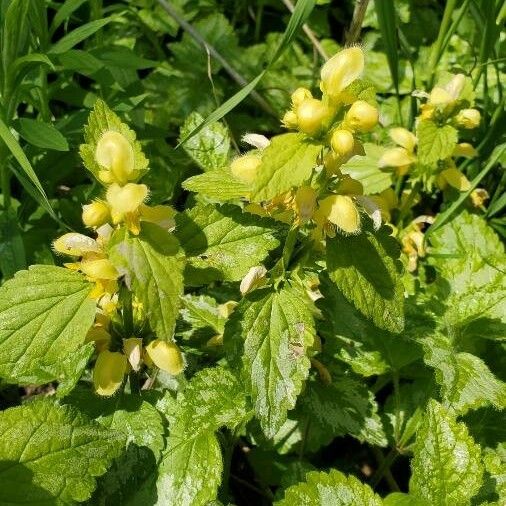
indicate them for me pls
(78, 35)
(19, 155)
(387, 21)
(302, 11)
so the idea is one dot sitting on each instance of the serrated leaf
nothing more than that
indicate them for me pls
(101, 120)
(201, 311)
(287, 162)
(152, 264)
(191, 467)
(446, 468)
(218, 185)
(366, 169)
(466, 381)
(435, 142)
(51, 454)
(275, 329)
(366, 269)
(45, 313)
(210, 148)
(330, 489)
(345, 407)
(222, 242)
(353, 339)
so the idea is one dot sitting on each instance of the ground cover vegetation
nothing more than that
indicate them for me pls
(252, 252)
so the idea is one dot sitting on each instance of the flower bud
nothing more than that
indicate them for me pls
(99, 269)
(349, 186)
(341, 70)
(290, 120)
(256, 140)
(396, 157)
(403, 138)
(449, 93)
(311, 114)
(110, 368)
(468, 118)
(75, 244)
(132, 348)
(95, 214)
(342, 142)
(305, 203)
(245, 167)
(299, 95)
(227, 308)
(166, 356)
(479, 196)
(99, 336)
(125, 199)
(254, 278)
(465, 149)
(456, 179)
(115, 153)
(361, 116)
(342, 212)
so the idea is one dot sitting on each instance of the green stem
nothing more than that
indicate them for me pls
(384, 467)
(387, 473)
(135, 387)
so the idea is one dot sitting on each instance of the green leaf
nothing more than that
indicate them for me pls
(191, 467)
(12, 250)
(153, 268)
(288, 161)
(272, 332)
(51, 454)
(45, 313)
(330, 489)
(353, 339)
(345, 407)
(401, 499)
(217, 185)
(201, 311)
(81, 33)
(101, 120)
(223, 242)
(446, 468)
(210, 148)
(435, 142)
(366, 269)
(19, 155)
(466, 382)
(42, 135)
(15, 28)
(366, 170)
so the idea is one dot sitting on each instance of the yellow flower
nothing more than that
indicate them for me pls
(449, 93)
(479, 196)
(465, 149)
(305, 203)
(95, 214)
(341, 70)
(299, 95)
(342, 142)
(453, 177)
(361, 117)
(401, 157)
(125, 202)
(311, 115)
(166, 356)
(99, 269)
(115, 154)
(227, 308)
(468, 118)
(338, 211)
(100, 336)
(290, 120)
(245, 167)
(110, 369)
(77, 245)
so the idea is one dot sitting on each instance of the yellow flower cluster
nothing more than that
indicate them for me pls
(124, 200)
(122, 204)
(443, 105)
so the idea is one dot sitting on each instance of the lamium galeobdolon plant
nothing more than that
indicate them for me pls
(276, 304)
